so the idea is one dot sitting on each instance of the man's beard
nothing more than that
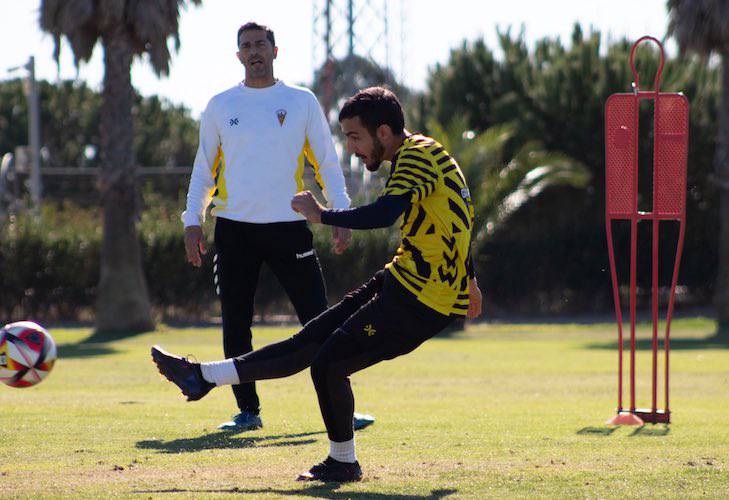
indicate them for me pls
(377, 153)
(258, 71)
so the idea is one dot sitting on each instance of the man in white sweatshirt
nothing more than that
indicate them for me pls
(255, 140)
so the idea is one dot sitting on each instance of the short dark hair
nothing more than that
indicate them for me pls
(254, 26)
(375, 106)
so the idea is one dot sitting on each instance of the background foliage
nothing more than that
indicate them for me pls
(502, 112)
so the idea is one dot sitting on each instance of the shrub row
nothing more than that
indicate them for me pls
(49, 266)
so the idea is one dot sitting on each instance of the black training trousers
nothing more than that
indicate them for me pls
(380, 320)
(241, 248)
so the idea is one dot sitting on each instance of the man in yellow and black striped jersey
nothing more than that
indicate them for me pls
(429, 283)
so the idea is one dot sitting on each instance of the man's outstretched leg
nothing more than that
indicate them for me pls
(276, 360)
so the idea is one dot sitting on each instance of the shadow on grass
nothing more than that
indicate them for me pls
(653, 430)
(319, 490)
(102, 337)
(84, 350)
(597, 431)
(643, 430)
(95, 344)
(224, 440)
(678, 344)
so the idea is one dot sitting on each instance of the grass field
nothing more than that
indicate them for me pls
(496, 411)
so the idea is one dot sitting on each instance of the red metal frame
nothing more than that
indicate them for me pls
(670, 150)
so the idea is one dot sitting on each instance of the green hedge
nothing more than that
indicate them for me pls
(50, 265)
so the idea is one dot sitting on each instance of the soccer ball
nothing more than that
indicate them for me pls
(27, 354)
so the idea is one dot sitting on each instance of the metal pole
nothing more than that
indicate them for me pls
(618, 310)
(387, 36)
(328, 69)
(350, 27)
(633, 300)
(36, 188)
(403, 43)
(634, 252)
(654, 300)
(328, 29)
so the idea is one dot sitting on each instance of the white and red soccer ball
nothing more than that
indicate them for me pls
(27, 354)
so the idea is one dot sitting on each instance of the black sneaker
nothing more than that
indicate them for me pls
(331, 470)
(183, 373)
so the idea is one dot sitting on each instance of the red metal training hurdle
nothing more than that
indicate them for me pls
(670, 148)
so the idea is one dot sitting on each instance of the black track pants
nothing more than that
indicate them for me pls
(378, 321)
(241, 248)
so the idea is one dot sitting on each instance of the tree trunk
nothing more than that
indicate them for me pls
(123, 300)
(721, 296)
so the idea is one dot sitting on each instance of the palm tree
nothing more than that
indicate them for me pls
(338, 79)
(125, 28)
(702, 27)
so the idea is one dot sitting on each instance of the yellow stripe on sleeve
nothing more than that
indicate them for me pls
(307, 154)
(220, 189)
(312, 159)
(301, 162)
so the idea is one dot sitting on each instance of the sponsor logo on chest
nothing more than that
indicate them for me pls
(281, 115)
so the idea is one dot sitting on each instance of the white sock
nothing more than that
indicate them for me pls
(220, 372)
(343, 452)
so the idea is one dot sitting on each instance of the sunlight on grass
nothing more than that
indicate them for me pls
(498, 410)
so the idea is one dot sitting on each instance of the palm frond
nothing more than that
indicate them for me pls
(73, 19)
(75, 14)
(83, 41)
(528, 174)
(500, 187)
(442, 135)
(49, 14)
(700, 26)
(475, 152)
(150, 24)
(111, 13)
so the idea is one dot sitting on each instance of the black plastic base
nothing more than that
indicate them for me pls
(651, 417)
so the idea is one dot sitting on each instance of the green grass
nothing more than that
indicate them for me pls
(500, 410)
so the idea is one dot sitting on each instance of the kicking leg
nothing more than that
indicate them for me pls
(276, 360)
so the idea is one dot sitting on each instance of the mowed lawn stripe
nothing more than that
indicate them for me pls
(500, 409)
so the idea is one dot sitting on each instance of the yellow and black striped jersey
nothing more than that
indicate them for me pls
(431, 261)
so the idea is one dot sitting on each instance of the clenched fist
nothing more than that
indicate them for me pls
(305, 204)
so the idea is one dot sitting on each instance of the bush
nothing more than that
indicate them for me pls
(50, 265)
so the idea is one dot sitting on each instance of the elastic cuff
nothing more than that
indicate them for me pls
(325, 217)
(190, 219)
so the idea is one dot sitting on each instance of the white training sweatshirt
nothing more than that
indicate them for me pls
(250, 161)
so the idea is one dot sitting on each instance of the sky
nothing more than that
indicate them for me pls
(206, 63)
